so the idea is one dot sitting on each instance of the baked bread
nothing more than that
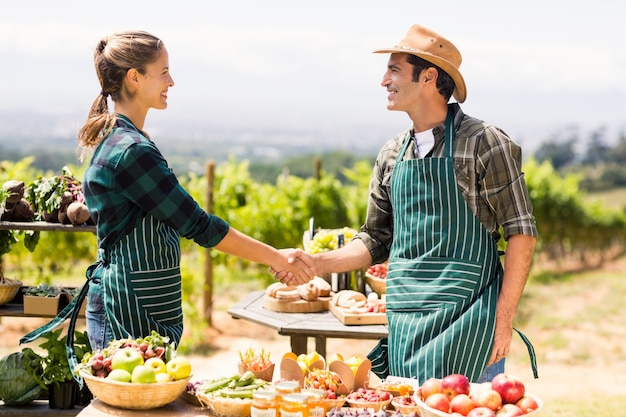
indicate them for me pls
(323, 286)
(348, 298)
(308, 291)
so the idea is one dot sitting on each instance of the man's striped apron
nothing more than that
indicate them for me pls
(444, 275)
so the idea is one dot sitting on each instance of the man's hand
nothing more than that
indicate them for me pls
(297, 269)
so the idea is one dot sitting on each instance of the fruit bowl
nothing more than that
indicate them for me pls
(378, 285)
(426, 411)
(133, 396)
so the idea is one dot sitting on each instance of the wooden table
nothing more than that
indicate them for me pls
(301, 326)
(38, 408)
(177, 408)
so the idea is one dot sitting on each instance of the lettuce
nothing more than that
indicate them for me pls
(17, 385)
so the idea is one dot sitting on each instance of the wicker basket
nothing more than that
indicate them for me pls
(226, 407)
(8, 290)
(134, 396)
(426, 411)
(376, 406)
(378, 285)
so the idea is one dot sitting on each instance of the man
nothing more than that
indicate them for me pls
(439, 193)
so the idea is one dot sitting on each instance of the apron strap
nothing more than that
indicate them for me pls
(70, 311)
(531, 353)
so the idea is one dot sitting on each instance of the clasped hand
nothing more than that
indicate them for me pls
(297, 268)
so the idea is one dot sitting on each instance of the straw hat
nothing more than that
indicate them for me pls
(434, 48)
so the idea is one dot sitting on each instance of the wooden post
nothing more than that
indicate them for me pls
(317, 168)
(208, 263)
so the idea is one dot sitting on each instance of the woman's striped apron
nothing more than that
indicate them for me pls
(139, 278)
(444, 275)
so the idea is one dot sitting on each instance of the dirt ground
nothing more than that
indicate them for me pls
(562, 374)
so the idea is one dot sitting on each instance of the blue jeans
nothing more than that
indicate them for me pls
(491, 371)
(99, 332)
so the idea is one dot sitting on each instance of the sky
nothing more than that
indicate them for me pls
(531, 67)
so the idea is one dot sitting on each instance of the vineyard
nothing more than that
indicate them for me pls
(574, 230)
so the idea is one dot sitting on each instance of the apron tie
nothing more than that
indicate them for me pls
(70, 311)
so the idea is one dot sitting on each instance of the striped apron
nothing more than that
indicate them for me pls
(139, 278)
(444, 275)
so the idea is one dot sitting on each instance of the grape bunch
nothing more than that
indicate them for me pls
(327, 239)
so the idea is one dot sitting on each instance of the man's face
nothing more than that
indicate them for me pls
(404, 93)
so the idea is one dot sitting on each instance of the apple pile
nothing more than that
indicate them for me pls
(378, 270)
(142, 361)
(504, 396)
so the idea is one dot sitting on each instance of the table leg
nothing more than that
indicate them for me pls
(299, 344)
(320, 345)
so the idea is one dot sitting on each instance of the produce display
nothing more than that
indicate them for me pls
(142, 361)
(328, 239)
(504, 396)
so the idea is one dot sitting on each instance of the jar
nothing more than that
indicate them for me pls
(264, 404)
(294, 405)
(316, 406)
(287, 387)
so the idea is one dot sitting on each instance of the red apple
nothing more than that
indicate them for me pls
(482, 412)
(438, 401)
(509, 410)
(489, 398)
(462, 404)
(455, 384)
(510, 388)
(527, 404)
(430, 386)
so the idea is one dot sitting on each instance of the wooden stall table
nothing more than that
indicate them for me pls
(300, 326)
(177, 408)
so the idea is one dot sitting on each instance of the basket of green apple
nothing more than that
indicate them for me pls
(136, 374)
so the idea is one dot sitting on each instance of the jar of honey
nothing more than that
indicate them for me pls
(316, 405)
(287, 387)
(294, 405)
(264, 404)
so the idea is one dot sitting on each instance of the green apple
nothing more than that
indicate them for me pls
(143, 374)
(163, 377)
(119, 375)
(178, 368)
(157, 364)
(126, 359)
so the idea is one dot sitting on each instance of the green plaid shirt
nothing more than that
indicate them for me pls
(128, 177)
(488, 167)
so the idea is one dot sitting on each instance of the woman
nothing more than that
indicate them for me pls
(139, 207)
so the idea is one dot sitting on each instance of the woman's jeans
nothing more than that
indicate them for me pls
(99, 332)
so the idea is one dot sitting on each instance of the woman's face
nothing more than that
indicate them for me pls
(155, 83)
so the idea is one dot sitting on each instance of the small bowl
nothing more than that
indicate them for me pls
(405, 408)
(376, 406)
(334, 403)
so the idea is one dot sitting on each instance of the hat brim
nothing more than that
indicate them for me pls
(460, 90)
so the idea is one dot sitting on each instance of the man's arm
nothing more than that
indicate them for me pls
(517, 263)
